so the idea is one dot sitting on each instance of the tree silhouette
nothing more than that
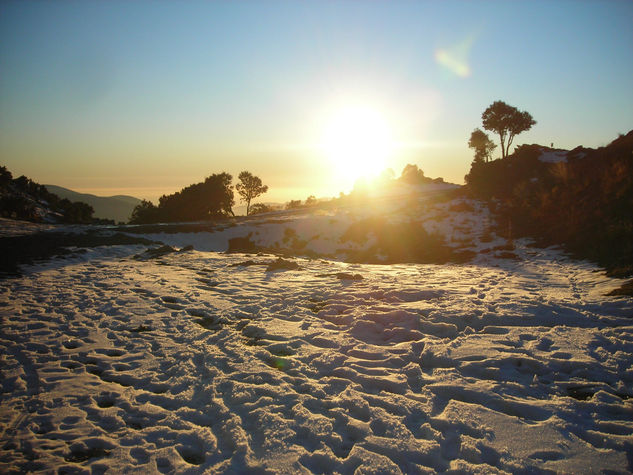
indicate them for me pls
(412, 175)
(507, 121)
(481, 144)
(249, 187)
(144, 213)
(208, 200)
(259, 208)
(293, 204)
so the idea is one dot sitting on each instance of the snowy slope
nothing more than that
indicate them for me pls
(201, 361)
(462, 224)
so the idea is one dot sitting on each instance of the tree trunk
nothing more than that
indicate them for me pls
(504, 145)
(502, 141)
(510, 138)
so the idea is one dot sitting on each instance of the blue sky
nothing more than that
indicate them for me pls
(144, 98)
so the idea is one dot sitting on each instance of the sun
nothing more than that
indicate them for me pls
(358, 142)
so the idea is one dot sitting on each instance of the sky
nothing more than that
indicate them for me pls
(143, 98)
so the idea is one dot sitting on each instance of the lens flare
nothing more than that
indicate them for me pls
(455, 58)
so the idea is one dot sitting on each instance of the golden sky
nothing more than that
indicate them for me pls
(144, 98)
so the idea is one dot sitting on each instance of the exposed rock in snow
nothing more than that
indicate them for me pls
(553, 156)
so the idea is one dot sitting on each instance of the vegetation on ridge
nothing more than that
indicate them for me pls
(22, 198)
(583, 200)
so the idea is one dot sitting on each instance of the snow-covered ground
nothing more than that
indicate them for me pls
(12, 227)
(205, 362)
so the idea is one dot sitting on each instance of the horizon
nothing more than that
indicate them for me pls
(144, 99)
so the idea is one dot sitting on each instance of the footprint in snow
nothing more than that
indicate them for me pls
(71, 344)
(191, 449)
(191, 455)
(280, 349)
(170, 302)
(144, 292)
(105, 400)
(111, 352)
(141, 456)
(208, 284)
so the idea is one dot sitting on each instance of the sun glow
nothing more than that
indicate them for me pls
(358, 142)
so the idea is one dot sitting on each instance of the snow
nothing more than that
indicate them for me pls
(308, 233)
(15, 228)
(195, 362)
(12, 227)
(553, 156)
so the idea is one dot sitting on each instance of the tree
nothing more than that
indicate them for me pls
(259, 208)
(210, 199)
(144, 213)
(476, 174)
(507, 121)
(249, 187)
(412, 175)
(481, 144)
(5, 177)
(311, 200)
(77, 212)
(386, 176)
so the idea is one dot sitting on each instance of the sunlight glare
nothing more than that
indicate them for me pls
(358, 142)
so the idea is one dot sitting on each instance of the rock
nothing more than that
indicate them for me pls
(154, 253)
(282, 264)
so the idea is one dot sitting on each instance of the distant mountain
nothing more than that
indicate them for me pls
(117, 207)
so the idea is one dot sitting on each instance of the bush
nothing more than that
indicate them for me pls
(259, 208)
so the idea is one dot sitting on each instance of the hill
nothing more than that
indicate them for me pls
(118, 208)
(581, 199)
(22, 198)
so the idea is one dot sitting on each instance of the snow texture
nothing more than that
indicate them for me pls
(200, 361)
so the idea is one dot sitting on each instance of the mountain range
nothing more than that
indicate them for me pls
(118, 208)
